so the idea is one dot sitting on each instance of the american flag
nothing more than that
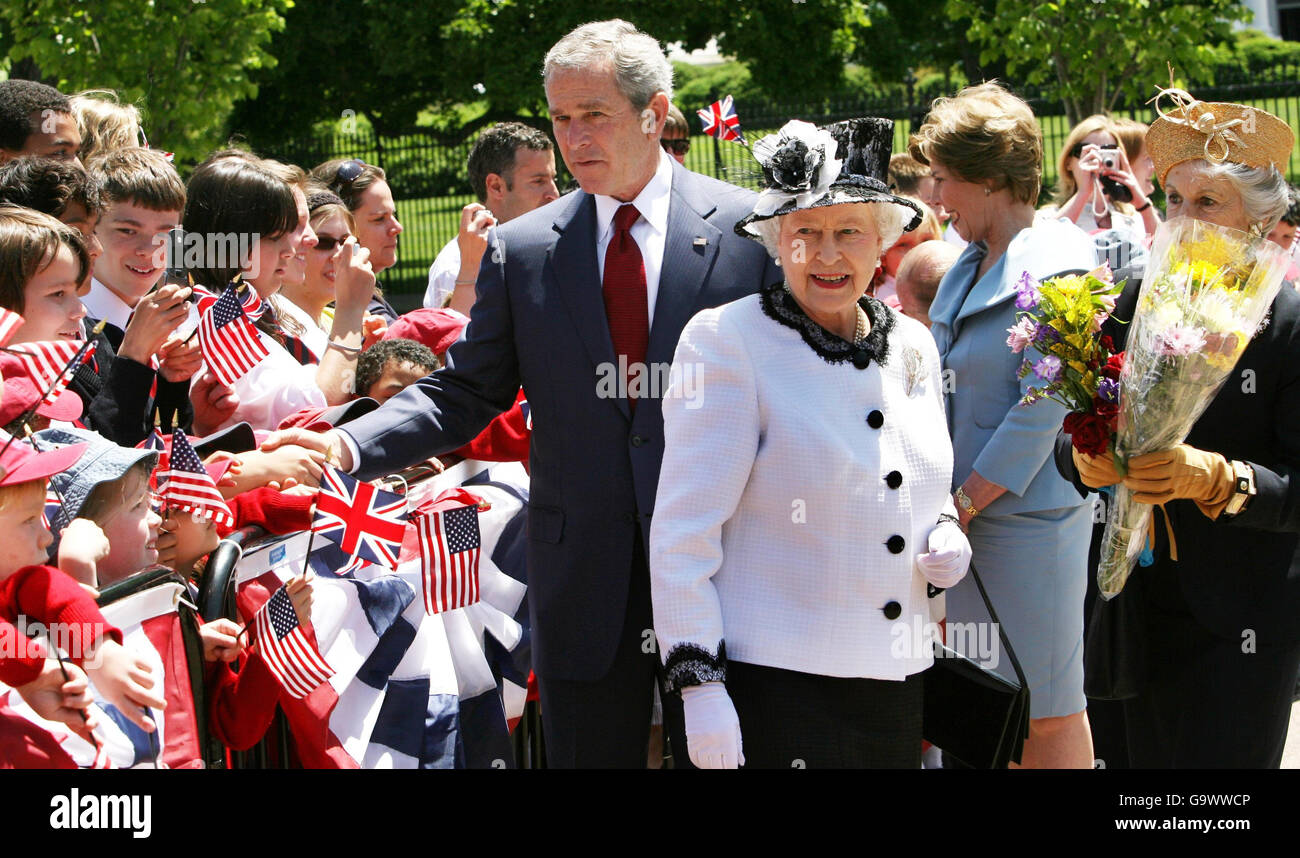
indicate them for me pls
(719, 120)
(9, 322)
(364, 521)
(449, 552)
(289, 653)
(49, 364)
(186, 484)
(230, 343)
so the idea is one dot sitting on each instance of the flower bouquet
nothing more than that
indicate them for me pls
(1061, 318)
(1206, 290)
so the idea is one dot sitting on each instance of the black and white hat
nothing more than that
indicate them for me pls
(806, 167)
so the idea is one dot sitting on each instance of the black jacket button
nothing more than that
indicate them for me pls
(875, 420)
(861, 358)
(895, 544)
(892, 610)
(893, 479)
(637, 440)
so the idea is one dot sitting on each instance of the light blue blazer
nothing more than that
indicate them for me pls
(992, 433)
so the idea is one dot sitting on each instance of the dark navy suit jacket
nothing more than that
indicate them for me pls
(539, 320)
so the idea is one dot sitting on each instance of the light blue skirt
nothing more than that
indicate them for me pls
(1034, 566)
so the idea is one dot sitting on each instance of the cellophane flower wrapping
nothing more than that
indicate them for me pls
(1206, 292)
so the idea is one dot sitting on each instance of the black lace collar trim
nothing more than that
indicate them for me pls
(780, 305)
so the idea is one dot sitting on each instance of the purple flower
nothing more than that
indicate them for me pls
(1108, 390)
(1026, 292)
(1046, 335)
(1048, 369)
(1022, 334)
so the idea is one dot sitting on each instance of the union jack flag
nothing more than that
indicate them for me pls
(719, 120)
(156, 443)
(230, 343)
(186, 484)
(53, 503)
(50, 364)
(362, 520)
(9, 322)
(289, 653)
(449, 552)
(253, 306)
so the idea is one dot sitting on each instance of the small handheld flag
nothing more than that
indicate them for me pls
(10, 322)
(719, 120)
(364, 521)
(50, 364)
(186, 485)
(289, 653)
(230, 343)
(450, 545)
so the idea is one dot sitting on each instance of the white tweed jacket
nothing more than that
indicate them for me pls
(796, 491)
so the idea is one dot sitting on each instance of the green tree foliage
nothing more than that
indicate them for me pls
(1093, 53)
(390, 61)
(183, 62)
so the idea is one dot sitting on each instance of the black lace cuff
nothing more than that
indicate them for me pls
(943, 516)
(780, 305)
(691, 664)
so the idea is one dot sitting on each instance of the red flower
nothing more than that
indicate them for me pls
(1113, 366)
(1106, 343)
(1088, 432)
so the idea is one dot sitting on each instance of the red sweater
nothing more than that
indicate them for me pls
(273, 510)
(48, 596)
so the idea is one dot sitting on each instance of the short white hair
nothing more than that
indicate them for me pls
(890, 219)
(640, 67)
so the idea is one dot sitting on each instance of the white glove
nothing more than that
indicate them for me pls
(949, 555)
(712, 727)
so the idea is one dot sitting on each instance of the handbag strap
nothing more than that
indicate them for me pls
(1002, 635)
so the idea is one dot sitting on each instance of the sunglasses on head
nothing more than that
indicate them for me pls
(676, 147)
(326, 243)
(1078, 148)
(349, 170)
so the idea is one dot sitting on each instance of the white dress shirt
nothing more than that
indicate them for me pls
(103, 303)
(650, 232)
(442, 275)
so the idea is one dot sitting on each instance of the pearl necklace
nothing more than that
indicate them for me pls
(862, 328)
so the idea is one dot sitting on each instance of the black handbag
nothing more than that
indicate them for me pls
(1114, 648)
(973, 714)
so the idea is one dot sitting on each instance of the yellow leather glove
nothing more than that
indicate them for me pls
(1095, 471)
(1182, 472)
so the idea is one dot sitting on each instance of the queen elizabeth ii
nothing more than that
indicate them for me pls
(803, 524)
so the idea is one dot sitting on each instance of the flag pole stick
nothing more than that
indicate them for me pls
(311, 535)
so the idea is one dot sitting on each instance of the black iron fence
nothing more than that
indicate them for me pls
(430, 185)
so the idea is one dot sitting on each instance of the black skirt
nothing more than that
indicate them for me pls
(801, 720)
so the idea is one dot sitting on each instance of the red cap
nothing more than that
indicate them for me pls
(20, 394)
(435, 328)
(23, 464)
(324, 419)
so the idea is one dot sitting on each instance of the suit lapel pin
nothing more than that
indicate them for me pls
(701, 241)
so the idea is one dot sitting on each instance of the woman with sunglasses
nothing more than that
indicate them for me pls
(1094, 176)
(309, 306)
(676, 136)
(364, 190)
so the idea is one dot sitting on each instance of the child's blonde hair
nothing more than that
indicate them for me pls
(19, 493)
(104, 122)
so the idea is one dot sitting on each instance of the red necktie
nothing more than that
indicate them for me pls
(624, 289)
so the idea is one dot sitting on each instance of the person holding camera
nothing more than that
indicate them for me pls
(1098, 190)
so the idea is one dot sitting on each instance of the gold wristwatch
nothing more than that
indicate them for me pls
(964, 500)
(1243, 487)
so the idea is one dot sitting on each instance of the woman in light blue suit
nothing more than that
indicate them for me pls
(1029, 529)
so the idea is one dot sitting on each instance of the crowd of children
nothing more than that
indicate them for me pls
(108, 262)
